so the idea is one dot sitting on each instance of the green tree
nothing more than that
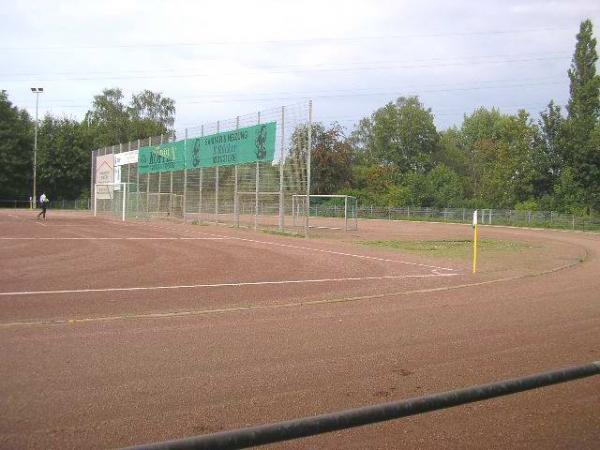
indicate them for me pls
(582, 152)
(446, 187)
(400, 134)
(151, 114)
(331, 158)
(550, 149)
(480, 133)
(451, 151)
(569, 197)
(63, 158)
(111, 121)
(502, 149)
(16, 151)
(109, 118)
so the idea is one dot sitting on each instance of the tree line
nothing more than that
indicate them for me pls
(397, 157)
(394, 157)
(65, 144)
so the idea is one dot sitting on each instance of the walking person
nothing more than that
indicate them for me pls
(43, 204)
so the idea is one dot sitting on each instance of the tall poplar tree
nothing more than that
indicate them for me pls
(582, 126)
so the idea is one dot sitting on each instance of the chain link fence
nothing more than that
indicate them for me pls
(257, 195)
(267, 195)
(79, 204)
(507, 217)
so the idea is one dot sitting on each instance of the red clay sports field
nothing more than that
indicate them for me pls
(115, 334)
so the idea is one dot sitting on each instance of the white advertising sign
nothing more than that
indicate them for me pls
(117, 177)
(126, 158)
(104, 175)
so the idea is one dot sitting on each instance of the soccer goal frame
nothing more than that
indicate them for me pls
(347, 209)
(114, 196)
(255, 210)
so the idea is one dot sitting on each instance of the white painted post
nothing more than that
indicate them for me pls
(124, 200)
(345, 213)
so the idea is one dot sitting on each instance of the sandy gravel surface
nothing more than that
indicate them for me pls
(165, 330)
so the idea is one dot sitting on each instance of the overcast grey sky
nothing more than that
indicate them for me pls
(220, 59)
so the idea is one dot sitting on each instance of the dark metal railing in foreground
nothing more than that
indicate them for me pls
(309, 426)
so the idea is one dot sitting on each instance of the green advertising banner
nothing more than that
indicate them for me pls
(243, 146)
(162, 158)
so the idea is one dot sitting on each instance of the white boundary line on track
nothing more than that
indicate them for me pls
(192, 313)
(217, 285)
(112, 238)
(65, 225)
(332, 252)
(434, 269)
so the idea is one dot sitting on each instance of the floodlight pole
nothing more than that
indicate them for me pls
(37, 92)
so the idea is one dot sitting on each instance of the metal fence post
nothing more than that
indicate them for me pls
(137, 183)
(257, 179)
(308, 161)
(148, 183)
(217, 185)
(128, 167)
(185, 174)
(160, 180)
(236, 200)
(281, 203)
(345, 213)
(170, 211)
(200, 182)
(92, 182)
(124, 201)
(95, 205)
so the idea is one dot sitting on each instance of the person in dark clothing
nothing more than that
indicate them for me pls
(43, 204)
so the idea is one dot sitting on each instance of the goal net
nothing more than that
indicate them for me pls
(333, 212)
(257, 209)
(117, 199)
